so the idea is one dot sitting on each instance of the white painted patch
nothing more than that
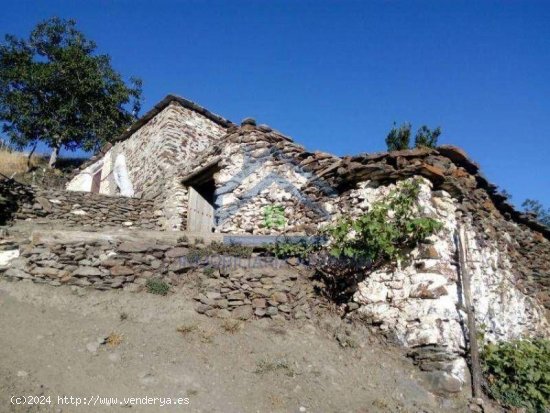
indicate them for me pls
(120, 173)
(83, 181)
(7, 256)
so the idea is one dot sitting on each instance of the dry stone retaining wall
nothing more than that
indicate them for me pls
(228, 286)
(76, 209)
(244, 293)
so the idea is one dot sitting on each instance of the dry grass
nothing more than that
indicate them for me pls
(275, 365)
(113, 340)
(231, 325)
(186, 328)
(276, 401)
(16, 162)
(207, 334)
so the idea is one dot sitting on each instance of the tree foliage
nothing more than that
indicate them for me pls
(536, 208)
(54, 88)
(386, 230)
(399, 137)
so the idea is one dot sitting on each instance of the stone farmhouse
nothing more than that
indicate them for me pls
(183, 168)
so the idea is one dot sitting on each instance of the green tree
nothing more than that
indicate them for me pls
(399, 137)
(56, 89)
(534, 207)
(426, 137)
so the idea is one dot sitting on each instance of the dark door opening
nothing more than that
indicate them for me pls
(206, 190)
(201, 210)
(96, 182)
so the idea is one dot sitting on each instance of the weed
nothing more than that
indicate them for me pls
(13, 162)
(196, 255)
(233, 250)
(276, 400)
(157, 286)
(123, 316)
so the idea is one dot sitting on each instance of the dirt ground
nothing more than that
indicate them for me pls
(52, 343)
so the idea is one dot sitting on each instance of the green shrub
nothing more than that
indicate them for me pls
(517, 373)
(426, 137)
(234, 250)
(288, 249)
(157, 286)
(399, 137)
(389, 227)
(196, 255)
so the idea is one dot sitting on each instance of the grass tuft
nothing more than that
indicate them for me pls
(186, 328)
(272, 366)
(113, 340)
(156, 286)
(231, 325)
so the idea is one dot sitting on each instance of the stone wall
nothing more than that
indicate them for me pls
(99, 261)
(283, 293)
(172, 137)
(223, 285)
(261, 168)
(77, 209)
(420, 303)
(12, 196)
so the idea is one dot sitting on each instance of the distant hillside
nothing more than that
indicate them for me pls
(16, 165)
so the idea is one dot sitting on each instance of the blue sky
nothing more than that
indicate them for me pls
(335, 75)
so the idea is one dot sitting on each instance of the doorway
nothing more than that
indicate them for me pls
(200, 217)
(96, 182)
(200, 209)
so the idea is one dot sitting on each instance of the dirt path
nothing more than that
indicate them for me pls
(50, 345)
